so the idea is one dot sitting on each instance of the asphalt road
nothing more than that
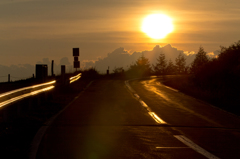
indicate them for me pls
(109, 121)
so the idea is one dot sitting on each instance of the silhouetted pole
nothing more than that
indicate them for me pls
(8, 77)
(63, 70)
(52, 68)
(108, 71)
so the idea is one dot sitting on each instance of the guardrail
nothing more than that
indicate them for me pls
(15, 95)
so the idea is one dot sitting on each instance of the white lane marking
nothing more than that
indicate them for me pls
(156, 118)
(195, 147)
(137, 96)
(172, 89)
(152, 114)
(129, 87)
(143, 103)
(173, 147)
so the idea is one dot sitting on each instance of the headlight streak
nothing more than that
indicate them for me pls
(25, 88)
(25, 95)
(74, 78)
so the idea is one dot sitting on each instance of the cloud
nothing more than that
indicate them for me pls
(123, 58)
(213, 54)
(86, 64)
(64, 61)
(189, 53)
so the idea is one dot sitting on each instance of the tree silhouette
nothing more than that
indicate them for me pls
(161, 65)
(200, 60)
(180, 63)
(170, 68)
(141, 67)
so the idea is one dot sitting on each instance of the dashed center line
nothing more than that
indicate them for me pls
(156, 118)
(152, 114)
(181, 138)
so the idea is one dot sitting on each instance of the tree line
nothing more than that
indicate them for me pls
(222, 72)
(142, 66)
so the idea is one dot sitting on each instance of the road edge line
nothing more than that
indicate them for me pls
(195, 147)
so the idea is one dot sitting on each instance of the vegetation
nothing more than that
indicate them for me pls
(140, 68)
(200, 60)
(213, 80)
(161, 66)
(180, 64)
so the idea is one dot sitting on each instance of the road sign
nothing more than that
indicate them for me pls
(75, 51)
(76, 64)
(76, 58)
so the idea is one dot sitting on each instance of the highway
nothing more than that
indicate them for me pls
(138, 119)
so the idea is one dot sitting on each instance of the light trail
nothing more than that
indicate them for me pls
(74, 78)
(25, 88)
(25, 95)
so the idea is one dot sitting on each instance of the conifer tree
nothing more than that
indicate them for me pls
(170, 68)
(161, 65)
(200, 60)
(141, 67)
(180, 63)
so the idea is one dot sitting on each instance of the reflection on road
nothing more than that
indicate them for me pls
(154, 86)
(150, 87)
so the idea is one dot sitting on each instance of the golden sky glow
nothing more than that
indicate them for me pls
(34, 29)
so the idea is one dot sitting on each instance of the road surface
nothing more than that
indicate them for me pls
(139, 119)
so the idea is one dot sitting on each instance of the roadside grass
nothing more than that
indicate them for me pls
(224, 98)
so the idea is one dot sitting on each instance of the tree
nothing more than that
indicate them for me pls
(200, 60)
(180, 63)
(141, 67)
(170, 68)
(161, 65)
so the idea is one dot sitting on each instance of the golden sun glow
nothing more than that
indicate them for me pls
(157, 26)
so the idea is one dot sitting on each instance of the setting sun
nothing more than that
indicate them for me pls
(157, 26)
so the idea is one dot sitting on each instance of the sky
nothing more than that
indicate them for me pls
(31, 30)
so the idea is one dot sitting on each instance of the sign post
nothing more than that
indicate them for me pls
(76, 62)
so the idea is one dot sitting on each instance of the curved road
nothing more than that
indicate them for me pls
(113, 120)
